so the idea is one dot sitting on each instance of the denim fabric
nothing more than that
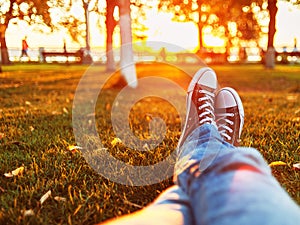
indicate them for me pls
(218, 184)
(228, 185)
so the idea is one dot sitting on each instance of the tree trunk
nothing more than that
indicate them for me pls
(128, 70)
(270, 54)
(87, 58)
(200, 28)
(110, 26)
(4, 51)
(87, 30)
(201, 42)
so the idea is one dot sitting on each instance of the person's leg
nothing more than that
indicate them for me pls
(233, 185)
(171, 207)
(226, 185)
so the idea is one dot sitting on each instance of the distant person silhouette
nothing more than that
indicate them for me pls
(24, 48)
(295, 45)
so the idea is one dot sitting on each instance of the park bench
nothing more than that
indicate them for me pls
(77, 56)
(283, 56)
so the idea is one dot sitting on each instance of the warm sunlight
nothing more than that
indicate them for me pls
(161, 28)
(288, 18)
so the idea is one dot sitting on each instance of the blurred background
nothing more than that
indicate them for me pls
(217, 30)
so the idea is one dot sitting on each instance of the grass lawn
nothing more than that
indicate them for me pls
(36, 132)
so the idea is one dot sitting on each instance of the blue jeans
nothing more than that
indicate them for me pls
(218, 184)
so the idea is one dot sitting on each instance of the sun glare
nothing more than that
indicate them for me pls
(162, 28)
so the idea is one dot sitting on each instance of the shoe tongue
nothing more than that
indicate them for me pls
(206, 88)
(226, 110)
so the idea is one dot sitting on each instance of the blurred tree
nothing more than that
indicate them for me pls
(217, 14)
(270, 54)
(76, 22)
(188, 10)
(30, 11)
(240, 15)
(128, 70)
(111, 22)
(110, 26)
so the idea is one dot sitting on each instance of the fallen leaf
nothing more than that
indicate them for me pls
(31, 128)
(277, 163)
(74, 148)
(296, 166)
(2, 135)
(60, 199)
(16, 172)
(116, 141)
(65, 110)
(8, 175)
(45, 197)
(27, 103)
(28, 212)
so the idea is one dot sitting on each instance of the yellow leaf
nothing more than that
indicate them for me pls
(277, 163)
(2, 135)
(60, 199)
(45, 197)
(74, 148)
(65, 110)
(296, 166)
(116, 141)
(28, 212)
(16, 172)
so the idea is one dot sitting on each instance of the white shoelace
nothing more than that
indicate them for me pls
(208, 109)
(223, 127)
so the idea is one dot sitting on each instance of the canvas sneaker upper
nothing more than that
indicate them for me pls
(200, 102)
(229, 114)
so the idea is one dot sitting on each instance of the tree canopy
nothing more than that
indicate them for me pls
(220, 15)
(30, 11)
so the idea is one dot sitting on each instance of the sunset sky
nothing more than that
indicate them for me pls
(182, 34)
